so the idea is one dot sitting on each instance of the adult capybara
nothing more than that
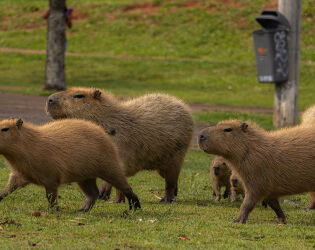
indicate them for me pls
(270, 164)
(308, 119)
(152, 132)
(220, 177)
(237, 187)
(62, 152)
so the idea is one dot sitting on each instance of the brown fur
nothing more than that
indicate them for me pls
(308, 119)
(61, 152)
(237, 187)
(152, 132)
(270, 164)
(220, 176)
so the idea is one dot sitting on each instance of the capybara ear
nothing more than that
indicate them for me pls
(244, 126)
(97, 94)
(19, 123)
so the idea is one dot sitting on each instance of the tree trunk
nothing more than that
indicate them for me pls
(56, 38)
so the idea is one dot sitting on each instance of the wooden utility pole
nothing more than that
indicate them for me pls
(56, 38)
(286, 94)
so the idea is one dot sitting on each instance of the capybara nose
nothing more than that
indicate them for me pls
(50, 101)
(216, 170)
(234, 182)
(202, 137)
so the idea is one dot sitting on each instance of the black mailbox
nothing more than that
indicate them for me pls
(271, 47)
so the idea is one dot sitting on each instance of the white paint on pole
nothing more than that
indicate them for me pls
(286, 94)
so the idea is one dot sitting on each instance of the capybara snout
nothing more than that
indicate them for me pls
(234, 182)
(216, 170)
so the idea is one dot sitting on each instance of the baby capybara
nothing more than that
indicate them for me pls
(236, 186)
(62, 152)
(220, 177)
(152, 132)
(270, 164)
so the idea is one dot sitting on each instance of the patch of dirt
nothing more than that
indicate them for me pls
(142, 8)
(271, 4)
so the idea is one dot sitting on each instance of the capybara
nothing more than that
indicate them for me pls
(308, 119)
(152, 132)
(220, 176)
(270, 164)
(236, 186)
(60, 152)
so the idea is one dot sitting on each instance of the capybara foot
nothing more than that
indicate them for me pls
(1, 197)
(88, 204)
(240, 220)
(213, 193)
(167, 200)
(104, 194)
(282, 220)
(133, 200)
(226, 195)
(218, 198)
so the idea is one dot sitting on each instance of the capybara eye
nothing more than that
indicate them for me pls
(227, 130)
(79, 96)
(4, 129)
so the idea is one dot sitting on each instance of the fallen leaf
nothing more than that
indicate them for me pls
(11, 236)
(44, 215)
(35, 213)
(183, 237)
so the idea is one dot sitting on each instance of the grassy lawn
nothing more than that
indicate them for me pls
(204, 49)
(193, 221)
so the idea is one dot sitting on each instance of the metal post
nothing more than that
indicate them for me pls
(286, 94)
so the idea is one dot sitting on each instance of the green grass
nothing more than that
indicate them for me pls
(214, 38)
(265, 121)
(194, 215)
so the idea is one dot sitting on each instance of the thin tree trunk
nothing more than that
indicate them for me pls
(56, 38)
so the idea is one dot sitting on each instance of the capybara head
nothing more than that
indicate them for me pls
(9, 132)
(226, 137)
(77, 102)
(220, 167)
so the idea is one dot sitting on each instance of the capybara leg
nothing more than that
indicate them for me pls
(51, 195)
(216, 190)
(247, 206)
(171, 178)
(233, 195)
(90, 189)
(14, 183)
(120, 197)
(264, 203)
(132, 199)
(312, 202)
(274, 204)
(226, 192)
(119, 181)
(105, 191)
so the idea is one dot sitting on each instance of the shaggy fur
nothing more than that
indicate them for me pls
(237, 187)
(152, 132)
(308, 119)
(220, 176)
(270, 164)
(62, 152)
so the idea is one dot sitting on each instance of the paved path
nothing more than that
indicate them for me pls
(32, 108)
